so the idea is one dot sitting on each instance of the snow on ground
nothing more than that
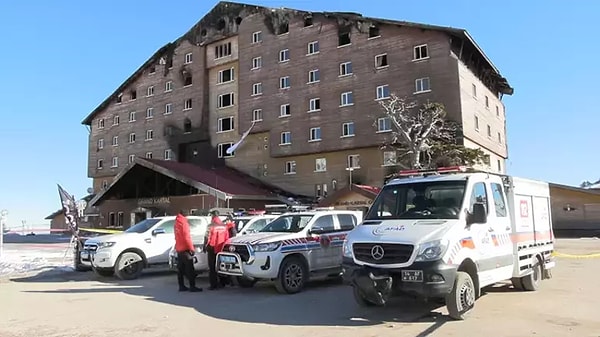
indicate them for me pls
(28, 259)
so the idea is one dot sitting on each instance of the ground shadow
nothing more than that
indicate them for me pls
(321, 304)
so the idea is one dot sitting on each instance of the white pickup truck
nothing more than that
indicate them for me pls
(290, 250)
(444, 235)
(145, 244)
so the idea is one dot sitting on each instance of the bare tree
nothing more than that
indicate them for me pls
(423, 135)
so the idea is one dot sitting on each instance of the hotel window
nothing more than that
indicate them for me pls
(225, 124)
(116, 120)
(346, 98)
(222, 50)
(168, 108)
(115, 162)
(222, 150)
(383, 91)
(354, 161)
(131, 158)
(420, 52)
(225, 100)
(132, 116)
(390, 158)
(476, 123)
(101, 123)
(348, 129)
(314, 104)
(168, 154)
(313, 47)
(169, 86)
(257, 37)
(381, 61)
(384, 124)
(320, 165)
(284, 82)
(314, 134)
(115, 141)
(226, 75)
(149, 155)
(346, 68)
(149, 134)
(188, 58)
(256, 89)
(149, 113)
(100, 163)
(422, 85)
(257, 115)
(290, 167)
(286, 138)
(150, 91)
(132, 137)
(187, 104)
(256, 63)
(100, 144)
(314, 76)
(285, 110)
(284, 55)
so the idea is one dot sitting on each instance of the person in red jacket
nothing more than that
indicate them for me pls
(216, 237)
(185, 254)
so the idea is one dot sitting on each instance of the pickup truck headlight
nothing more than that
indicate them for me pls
(266, 247)
(347, 249)
(106, 244)
(431, 251)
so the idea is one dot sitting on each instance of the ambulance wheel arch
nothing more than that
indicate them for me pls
(293, 274)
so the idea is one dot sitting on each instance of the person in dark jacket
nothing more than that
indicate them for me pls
(185, 254)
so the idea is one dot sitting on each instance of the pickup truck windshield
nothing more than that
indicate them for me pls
(427, 200)
(287, 224)
(142, 226)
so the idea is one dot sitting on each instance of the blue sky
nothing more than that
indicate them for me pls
(61, 58)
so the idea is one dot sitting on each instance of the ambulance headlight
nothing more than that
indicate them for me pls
(347, 249)
(431, 251)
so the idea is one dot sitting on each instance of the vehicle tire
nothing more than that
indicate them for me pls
(293, 275)
(360, 300)
(461, 300)
(244, 282)
(104, 272)
(532, 281)
(516, 282)
(129, 266)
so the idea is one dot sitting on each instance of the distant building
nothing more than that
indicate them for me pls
(90, 217)
(309, 84)
(575, 210)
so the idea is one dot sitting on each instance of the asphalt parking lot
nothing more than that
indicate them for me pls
(80, 304)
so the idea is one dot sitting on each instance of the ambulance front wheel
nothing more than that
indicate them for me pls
(461, 299)
(532, 281)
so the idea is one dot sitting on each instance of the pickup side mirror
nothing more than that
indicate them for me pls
(158, 231)
(316, 230)
(479, 215)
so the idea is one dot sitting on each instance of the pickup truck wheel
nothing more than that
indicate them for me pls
(532, 281)
(293, 275)
(129, 266)
(461, 300)
(360, 299)
(244, 282)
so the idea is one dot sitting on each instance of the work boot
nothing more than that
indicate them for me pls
(183, 288)
(195, 290)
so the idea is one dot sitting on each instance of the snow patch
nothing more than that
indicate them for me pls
(15, 262)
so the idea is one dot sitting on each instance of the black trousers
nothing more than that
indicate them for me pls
(216, 280)
(185, 268)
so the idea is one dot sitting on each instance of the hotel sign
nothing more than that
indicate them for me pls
(354, 203)
(154, 201)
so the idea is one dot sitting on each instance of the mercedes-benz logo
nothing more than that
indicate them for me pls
(232, 249)
(377, 252)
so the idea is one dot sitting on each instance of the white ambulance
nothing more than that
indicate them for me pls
(444, 235)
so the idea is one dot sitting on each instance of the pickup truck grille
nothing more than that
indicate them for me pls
(392, 253)
(92, 247)
(240, 249)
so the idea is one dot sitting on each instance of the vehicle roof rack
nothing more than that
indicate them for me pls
(440, 171)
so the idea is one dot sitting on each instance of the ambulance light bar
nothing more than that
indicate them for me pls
(439, 170)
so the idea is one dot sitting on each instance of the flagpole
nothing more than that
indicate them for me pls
(3, 215)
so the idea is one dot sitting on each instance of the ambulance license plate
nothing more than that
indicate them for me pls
(412, 276)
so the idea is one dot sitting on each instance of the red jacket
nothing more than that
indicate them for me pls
(218, 234)
(183, 238)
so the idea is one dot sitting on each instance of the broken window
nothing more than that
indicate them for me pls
(284, 28)
(308, 21)
(225, 124)
(119, 98)
(152, 70)
(170, 63)
(133, 94)
(187, 125)
(187, 79)
(374, 32)
(381, 61)
(344, 38)
(223, 50)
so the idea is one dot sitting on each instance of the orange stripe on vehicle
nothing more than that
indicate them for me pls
(467, 243)
(531, 236)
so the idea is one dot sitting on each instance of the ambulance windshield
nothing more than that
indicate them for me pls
(426, 200)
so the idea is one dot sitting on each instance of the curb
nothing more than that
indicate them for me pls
(577, 256)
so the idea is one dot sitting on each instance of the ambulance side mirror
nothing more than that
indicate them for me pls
(479, 215)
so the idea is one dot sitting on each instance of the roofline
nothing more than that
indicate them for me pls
(186, 180)
(575, 189)
(174, 44)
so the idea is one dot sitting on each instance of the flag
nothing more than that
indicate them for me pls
(69, 210)
(233, 147)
